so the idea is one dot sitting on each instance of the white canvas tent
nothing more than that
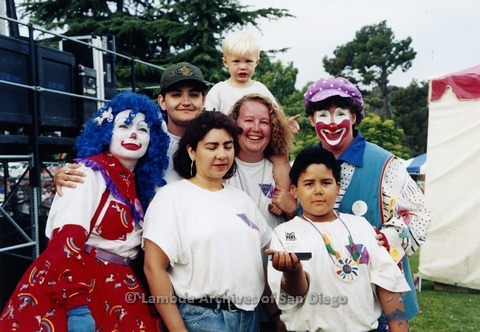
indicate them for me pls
(451, 254)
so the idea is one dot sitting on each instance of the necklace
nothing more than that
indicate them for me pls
(346, 268)
(245, 188)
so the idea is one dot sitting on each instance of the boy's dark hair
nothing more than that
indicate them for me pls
(314, 155)
(196, 130)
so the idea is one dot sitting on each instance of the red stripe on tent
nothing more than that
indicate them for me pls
(465, 84)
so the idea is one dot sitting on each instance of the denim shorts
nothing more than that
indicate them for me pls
(200, 319)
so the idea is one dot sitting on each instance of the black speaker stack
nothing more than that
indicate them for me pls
(61, 74)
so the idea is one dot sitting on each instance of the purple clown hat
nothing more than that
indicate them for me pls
(334, 86)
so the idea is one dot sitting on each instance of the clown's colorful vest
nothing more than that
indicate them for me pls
(366, 186)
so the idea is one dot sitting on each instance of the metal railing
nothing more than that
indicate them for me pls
(31, 240)
(33, 159)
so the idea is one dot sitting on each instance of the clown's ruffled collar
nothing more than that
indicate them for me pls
(120, 181)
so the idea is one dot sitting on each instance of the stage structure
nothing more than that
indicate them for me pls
(47, 94)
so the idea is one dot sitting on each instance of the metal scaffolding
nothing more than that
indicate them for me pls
(7, 215)
(20, 231)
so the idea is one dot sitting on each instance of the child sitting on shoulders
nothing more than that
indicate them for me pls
(241, 53)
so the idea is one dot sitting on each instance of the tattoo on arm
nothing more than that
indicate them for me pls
(396, 315)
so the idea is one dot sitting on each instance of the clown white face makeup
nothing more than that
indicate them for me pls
(334, 127)
(129, 142)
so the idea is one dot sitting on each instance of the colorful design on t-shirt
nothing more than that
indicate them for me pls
(365, 257)
(130, 281)
(404, 233)
(247, 221)
(91, 285)
(47, 325)
(37, 276)
(267, 189)
(116, 222)
(72, 246)
(118, 309)
(27, 299)
(64, 274)
(359, 250)
(346, 269)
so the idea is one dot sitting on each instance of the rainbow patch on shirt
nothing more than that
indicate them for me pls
(247, 221)
(267, 189)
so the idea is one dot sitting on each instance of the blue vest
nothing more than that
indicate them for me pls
(366, 186)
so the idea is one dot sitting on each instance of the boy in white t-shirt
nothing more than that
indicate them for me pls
(346, 278)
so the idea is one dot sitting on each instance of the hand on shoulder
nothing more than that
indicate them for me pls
(68, 176)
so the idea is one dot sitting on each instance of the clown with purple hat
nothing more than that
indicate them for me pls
(374, 182)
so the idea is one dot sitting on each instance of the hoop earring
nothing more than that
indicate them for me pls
(191, 168)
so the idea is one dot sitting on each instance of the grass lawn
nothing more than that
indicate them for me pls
(444, 310)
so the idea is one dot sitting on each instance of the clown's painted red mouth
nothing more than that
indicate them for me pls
(132, 146)
(333, 136)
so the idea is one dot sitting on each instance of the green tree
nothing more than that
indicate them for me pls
(410, 112)
(307, 135)
(157, 31)
(371, 57)
(280, 80)
(385, 134)
(278, 77)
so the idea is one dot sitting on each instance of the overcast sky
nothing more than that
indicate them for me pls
(445, 33)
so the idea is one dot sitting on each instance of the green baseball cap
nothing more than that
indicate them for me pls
(181, 72)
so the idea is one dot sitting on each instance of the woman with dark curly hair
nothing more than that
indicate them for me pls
(83, 279)
(203, 238)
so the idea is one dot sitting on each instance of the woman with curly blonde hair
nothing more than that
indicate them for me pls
(266, 135)
(281, 134)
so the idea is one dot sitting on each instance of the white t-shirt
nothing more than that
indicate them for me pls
(256, 179)
(332, 304)
(170, 174)
(222, 96)
(213, 240)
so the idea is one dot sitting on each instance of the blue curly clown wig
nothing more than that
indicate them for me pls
(98, 131)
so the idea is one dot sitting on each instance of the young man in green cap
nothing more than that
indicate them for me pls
(182, 98)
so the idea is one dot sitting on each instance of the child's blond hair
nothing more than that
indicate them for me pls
(240, 43)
